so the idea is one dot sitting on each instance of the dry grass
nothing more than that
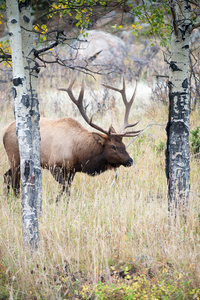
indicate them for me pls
(101, 227)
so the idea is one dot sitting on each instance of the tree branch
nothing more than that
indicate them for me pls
(197, 25)
(5, 56)
(173, 17)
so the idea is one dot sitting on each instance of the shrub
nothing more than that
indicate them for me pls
(195, 140)
(141, 287)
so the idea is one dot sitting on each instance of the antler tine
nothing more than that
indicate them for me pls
(128, 108)
(69, 91)
(127, 103)
(79, 103)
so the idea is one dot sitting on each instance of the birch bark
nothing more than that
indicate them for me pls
(31, 73)
(23, 127)
(177, 153)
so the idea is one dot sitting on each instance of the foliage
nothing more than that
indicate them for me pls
(4, 280)
(195, 140)
(159, 16)
(5, 53)
(143, 287)
(2, 8)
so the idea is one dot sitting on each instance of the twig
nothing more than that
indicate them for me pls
(115, 178)
(143, 132)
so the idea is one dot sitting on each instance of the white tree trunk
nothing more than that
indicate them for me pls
(24, 126)
(31, 74)
(177, 153)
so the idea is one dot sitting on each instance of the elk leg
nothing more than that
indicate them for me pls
(16, 181)
(13, 178)
(64, 178)
(7, 178)
(66, 185)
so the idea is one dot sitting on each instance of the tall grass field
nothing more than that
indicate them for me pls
(106, 241)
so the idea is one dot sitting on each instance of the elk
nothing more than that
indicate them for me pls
(68, 148)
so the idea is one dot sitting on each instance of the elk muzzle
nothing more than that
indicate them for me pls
(129, 163)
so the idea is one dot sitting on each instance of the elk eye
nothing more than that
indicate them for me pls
(113, 147)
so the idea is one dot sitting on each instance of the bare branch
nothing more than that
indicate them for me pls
(171, 4)
(196, 25)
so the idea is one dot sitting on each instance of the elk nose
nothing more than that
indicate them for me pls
(129, 162)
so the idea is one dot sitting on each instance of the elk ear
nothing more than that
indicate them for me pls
(112, 130)
(98, 138)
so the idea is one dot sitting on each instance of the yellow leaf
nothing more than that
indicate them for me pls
(36, 27)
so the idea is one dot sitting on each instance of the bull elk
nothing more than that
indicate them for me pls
(68, 148)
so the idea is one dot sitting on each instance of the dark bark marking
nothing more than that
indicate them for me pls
(185, 84)
(167, 163)
(167, 152)
(170, 84)
(173, 66)
(10, 33)
(182, 112)
(185, 47)
(27, 169)
(177, 133)
(26, 100)
(17, 81)
(13, 21)
(179, 127)
(37, 172)
(14, 92)
(188, 6)
(34, 101)
(26, 19)
(183, 30)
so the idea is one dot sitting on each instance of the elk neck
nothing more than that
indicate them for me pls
(90, 156)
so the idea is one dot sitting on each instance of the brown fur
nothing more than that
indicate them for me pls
(67, 148)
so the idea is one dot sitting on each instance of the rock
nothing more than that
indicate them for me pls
(99, 51)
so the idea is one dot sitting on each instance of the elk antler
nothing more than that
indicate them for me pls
(79, 103)
(128, 105)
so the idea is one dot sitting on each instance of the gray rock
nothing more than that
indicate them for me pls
(99, 51)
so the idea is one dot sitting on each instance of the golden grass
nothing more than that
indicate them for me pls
(100, 227)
